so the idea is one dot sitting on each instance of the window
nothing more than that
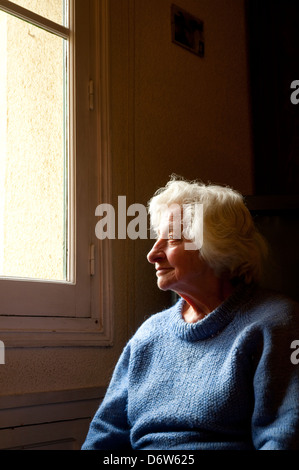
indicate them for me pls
(35, 152)
(54, 158)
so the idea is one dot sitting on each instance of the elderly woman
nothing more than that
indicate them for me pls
(213, 371)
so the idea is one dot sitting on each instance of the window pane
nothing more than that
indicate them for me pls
(32, 151)
(54, 10)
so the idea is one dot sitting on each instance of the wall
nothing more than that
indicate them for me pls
(192, 114)
(170, 112)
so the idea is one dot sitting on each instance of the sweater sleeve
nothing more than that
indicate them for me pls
(275, 421)
(109, 428)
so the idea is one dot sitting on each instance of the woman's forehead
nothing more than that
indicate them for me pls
(171, 214)
(171, 219)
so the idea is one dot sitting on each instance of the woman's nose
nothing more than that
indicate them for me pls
(156, 252)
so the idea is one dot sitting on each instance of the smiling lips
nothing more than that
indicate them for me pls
(160, 270)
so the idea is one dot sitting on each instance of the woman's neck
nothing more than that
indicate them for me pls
(198, 305)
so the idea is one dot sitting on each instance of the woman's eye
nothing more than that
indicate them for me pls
(174, 239)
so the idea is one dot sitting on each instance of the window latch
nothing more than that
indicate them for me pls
(91, 95)
(91, 260)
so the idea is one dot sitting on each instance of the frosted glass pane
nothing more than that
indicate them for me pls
(54, 10)
(32, 152)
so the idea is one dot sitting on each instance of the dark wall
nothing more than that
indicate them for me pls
(273, 35)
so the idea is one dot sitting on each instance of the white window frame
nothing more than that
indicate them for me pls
(78, 313)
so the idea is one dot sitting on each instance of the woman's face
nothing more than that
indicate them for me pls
(177, 268)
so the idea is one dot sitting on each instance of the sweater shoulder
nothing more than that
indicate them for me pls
(273, 310)
(154, 326)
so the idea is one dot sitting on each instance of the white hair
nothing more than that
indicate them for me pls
(232, 245)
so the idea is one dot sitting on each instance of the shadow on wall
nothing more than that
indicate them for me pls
(278, 220)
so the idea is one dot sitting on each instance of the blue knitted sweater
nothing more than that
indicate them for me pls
(225, 382)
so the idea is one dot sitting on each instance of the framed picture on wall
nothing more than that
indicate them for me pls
(187, 31)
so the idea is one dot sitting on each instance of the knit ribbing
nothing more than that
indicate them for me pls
(215, 321)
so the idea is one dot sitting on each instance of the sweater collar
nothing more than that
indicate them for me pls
(214, 322)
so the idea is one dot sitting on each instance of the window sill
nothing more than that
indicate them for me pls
(55, 332)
